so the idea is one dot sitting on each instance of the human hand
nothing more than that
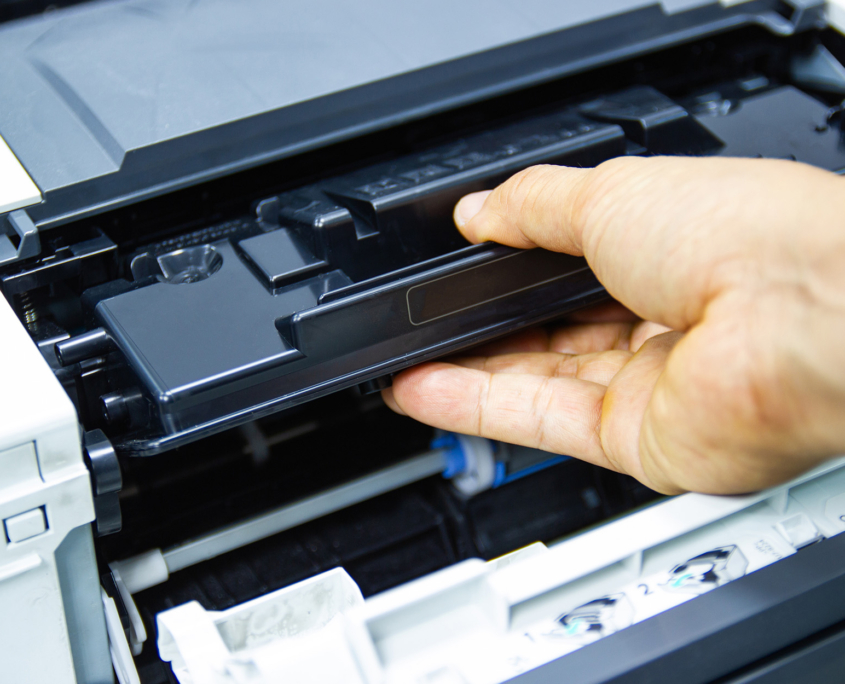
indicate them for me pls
(739, 381)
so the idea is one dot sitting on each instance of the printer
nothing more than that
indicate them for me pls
(224, 227)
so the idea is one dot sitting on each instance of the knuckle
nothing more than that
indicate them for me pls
(589, 205)
(519, 201)
(659, 464)
(482, 405)
(542, 411)
(517, 191)
(567, 365)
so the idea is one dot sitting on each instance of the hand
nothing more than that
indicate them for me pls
(739, 381)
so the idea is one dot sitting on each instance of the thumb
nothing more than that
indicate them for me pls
(531, 209)
(664, 235)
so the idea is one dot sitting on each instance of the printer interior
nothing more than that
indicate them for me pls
(224, 343)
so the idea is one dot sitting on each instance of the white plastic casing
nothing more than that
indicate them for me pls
(45, 493)
(16, 187)
(485, 623)
(836, 14)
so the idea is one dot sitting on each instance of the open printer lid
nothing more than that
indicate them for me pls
(110, 102)
(186, 267)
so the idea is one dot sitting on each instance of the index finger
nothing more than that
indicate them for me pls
(664, 235)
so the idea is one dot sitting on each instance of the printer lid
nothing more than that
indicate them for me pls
(107, 103)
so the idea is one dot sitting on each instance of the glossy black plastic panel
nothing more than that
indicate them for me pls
(109, 102)
(215, 348)
(343, 282)
(783, 123)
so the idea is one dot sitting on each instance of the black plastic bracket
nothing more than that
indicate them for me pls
(106, 481)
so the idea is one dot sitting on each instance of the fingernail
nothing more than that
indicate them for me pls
(390, 400)
(469, 206)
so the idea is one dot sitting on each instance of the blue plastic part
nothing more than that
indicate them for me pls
(501, 474)
(456, 461)
(503, 478)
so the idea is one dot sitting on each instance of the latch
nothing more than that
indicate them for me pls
(106, 481)
(18, 238)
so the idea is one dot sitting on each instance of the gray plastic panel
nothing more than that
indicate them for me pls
(76, 566)
(113, 101)
(715, 634)
(818, 660)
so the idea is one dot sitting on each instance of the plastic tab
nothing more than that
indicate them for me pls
(17, 189)
(652, 120)
(25, 526)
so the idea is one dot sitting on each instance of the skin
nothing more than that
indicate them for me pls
(724, 371)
